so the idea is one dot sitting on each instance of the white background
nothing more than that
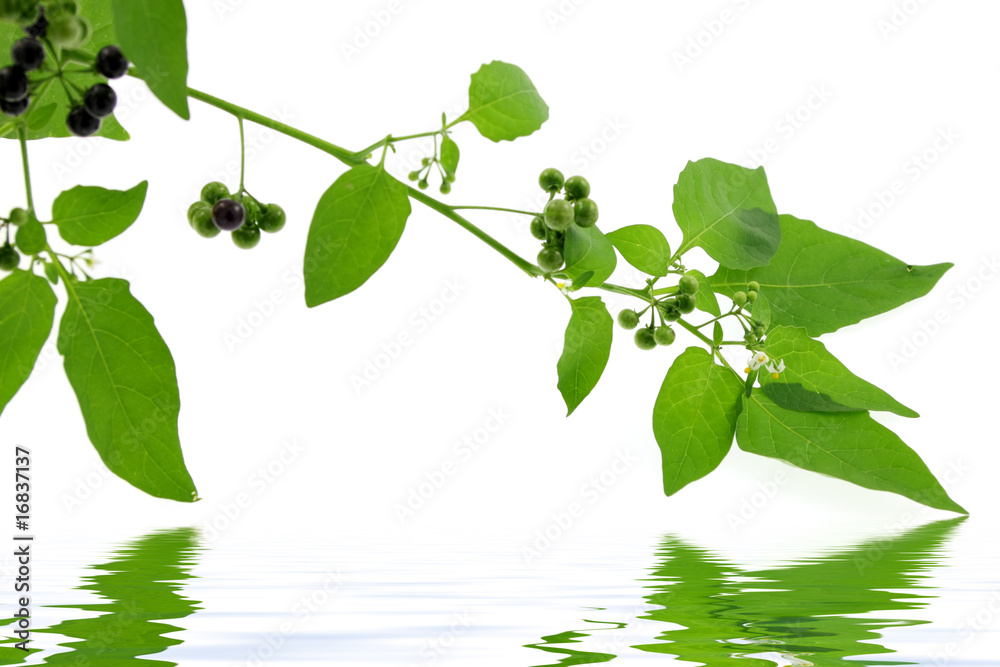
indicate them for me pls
(609, 72)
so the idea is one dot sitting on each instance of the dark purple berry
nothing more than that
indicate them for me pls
(13, 83)
(38, 28)
(228, 214)
(14, 108)
(111, 62)
(28, 53)
(81, 123)
(100, 100)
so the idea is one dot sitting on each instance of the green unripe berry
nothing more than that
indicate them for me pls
(213, 192)
(669, 312)
(272, 219)
(538, 228)
(577, 187)
(664, 335)
(252, 209)
(550, 259)
(645, 339)
(585, 212)
(686, 303)
(559, 214)
(195, 207)
(9, 259)
(422, 184)
(752, 296)
(18, 216)
(551, 180)
(628, 319)
(246, 237)
(750, 338)
(425, 161)
(759, 331)
(202, 223)
(445, 187)
(740, 299)
(688, 284)
(413, 175)
(753, 285)
(66, 31)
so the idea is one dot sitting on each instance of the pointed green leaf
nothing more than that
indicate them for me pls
(52, 273)
(586, 349)
(588, 249)
(727, 210)
(811, 369)
(357, 224)
(503, 103)
(46, 115)
(706, 301)
(717, 333)
(581, 280)
(124, 379)
(644, 247)
(90, 216)
(847, 445)
(760, 311)
(824, 281)
(153, 36)
(694, 417)
(449, 155)
(27, 308)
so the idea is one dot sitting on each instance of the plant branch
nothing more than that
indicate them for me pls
(22, 135)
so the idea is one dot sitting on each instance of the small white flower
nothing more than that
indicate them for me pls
(775, 369)
(563, 287)
(756, 361)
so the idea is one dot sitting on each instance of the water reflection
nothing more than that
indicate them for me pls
(140, 587)
(817, 611)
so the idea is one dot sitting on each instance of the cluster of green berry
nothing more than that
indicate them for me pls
(218, 210)
(426, 165)
(745, 301)
(9, 257)
(669, 309)
(60, 26)
(575, 208)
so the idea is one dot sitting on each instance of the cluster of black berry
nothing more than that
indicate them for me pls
(218, 210)
(27, 55)
(99, 101)
(576, 208)
(9, 257)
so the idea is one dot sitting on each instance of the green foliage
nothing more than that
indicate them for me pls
(694, 417)
(153, 35)
(588, 249)
(847, 445)
(823, 281)
(586, 349)
(126, 384)
(449, 155)
(90, 216)
(727, 210)
(27, 308)
(503, 103)
(357, 224)
(644, 247)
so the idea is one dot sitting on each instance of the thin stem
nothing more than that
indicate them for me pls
(627, 291)
(365, 152)
(23, 136)
(243, 152)
(710, 343)
(493, 208)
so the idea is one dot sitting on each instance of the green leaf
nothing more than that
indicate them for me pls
(644, 247)
(30, 237)
(449, 155)
(503, 103)
(717, 333)
(760, 311)
(588, 249)
(126, 384)
(706, 301)
(52, 273)
(357, 225)
(90, 216)
(848, 445)
(27, 308)
(810, 368)
(581, 280)
(727, 210)
(824, 281)
(694, 417)
(46, 115)
(153, 36)
(586, 349)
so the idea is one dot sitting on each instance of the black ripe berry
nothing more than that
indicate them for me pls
(228, 214)
(13, 83)
(100, 100)
(81, 123)
(38, 28)
(28, 53)
(14, 108)
(111, 62)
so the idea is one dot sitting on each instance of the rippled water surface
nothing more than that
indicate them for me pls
(928, 596)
